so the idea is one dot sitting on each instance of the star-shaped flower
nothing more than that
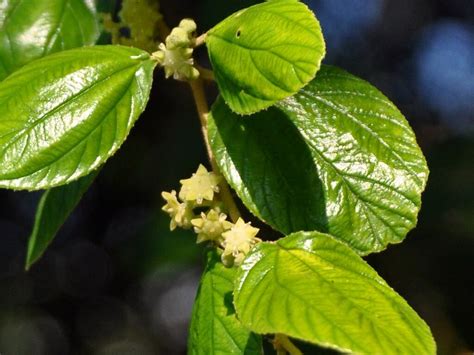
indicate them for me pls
(201, 186)
(210, 226)
(238, 241)
(181, 213)
(176, 54)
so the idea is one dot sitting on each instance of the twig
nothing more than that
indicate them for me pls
(197, 88)
(205, 74)
(200, 40)
(283, 344)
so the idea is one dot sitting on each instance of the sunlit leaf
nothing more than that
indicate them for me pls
(314, 288)
(64, 115)
(265, 53)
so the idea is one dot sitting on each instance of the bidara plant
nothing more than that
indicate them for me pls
(314, 152)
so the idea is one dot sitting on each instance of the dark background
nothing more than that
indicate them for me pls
(117, 282)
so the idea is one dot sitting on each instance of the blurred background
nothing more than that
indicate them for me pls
(117, 282)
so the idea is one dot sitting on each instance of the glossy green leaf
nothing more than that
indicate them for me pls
(64, 115)
(28, 31)
(314, 288)
(54, 208)
(214, 326)
(32, 29)
(265, 53)
(337, 157)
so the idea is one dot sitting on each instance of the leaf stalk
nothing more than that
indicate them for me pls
(197, 88)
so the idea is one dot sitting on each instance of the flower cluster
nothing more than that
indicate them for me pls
(143, 20)
(176, 54)
(201, 191)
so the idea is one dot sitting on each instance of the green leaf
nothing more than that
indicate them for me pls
(3, 72)
(214, 326)
(33, 29)
(64, 115)
(314, 288)
(265, 160)
(265, 53)
(337, 157)
(53, 209)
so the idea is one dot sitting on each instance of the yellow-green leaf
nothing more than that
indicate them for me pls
(265, 53)
(314, 288)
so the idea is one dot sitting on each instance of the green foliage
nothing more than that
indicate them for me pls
(256, 161)
(215, 328)
(52, 26)
(265, 53)
(355, 152)
(32, 29)
(312, 287)
(59, 126)
(330, 153)
(54, 208)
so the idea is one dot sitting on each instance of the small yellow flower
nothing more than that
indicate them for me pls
(210, 226)
(176, 54)
(238, 241)
(201, 186)
(178, 38)
(188, 25)
(181, 213)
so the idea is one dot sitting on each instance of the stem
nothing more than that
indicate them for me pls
(197, 89)
(283, 344)
(205, 74)
(200, 40)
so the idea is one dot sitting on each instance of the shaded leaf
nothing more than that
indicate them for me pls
(337, 157)
(33, 29)
(53, 209)
(214, 326)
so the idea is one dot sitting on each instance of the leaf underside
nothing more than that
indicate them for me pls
(54, 208)
(314, 288)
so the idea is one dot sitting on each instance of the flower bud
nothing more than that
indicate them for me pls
(188, 25)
